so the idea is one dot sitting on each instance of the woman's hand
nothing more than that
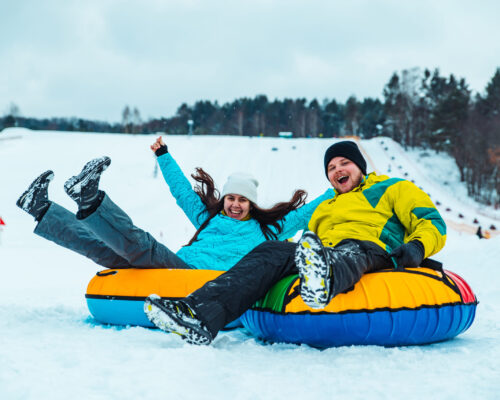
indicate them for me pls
(157, 144)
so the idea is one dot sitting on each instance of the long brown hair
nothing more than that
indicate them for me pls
(266, 217)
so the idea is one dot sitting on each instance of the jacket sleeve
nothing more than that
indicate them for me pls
(181, 189)
(421, 219)
(298, 219)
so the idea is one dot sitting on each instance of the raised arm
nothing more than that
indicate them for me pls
(298, 219)
(179, 185)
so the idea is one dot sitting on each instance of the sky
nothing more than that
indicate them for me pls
(88, 59)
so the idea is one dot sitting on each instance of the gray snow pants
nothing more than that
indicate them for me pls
(108, 237)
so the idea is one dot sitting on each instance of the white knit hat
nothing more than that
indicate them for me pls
(242, 184)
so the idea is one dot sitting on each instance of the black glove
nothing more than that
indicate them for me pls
(163, 149)
(409, 254)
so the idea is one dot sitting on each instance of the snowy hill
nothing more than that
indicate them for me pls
(438, 175)
(50, 348)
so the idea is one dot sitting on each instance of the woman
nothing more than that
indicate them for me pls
(227, 227)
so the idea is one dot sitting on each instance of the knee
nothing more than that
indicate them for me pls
(274, 253)
(268, 244)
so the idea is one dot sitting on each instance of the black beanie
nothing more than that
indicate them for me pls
(348, 150)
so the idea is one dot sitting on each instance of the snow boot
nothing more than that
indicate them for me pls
(177, 317)
(84, 187)
(35, 200)
(315, 271)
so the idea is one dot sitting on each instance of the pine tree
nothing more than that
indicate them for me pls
(492, 99)
(393, 108)
(402, 100)
(333, 118)
(352, 116)
(314, 124)
(451, 105)
(372, 117)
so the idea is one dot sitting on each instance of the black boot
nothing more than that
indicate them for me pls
(175, 316)
(84, 187)
(35, 200)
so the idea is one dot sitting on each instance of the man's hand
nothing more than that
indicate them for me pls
(409, 254)
(159, 147)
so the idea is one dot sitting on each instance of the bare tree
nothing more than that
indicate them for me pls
(136, 121)
(127, 119)
(13, 110)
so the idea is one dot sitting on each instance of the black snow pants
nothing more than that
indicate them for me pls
(224, 299)
(108, 237)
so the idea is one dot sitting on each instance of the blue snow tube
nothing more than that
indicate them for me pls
(388, 308)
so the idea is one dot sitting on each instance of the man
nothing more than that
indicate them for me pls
(373, 222)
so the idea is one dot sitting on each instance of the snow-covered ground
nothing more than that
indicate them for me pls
(50, 347)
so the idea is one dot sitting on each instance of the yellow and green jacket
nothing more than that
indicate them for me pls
(383, 210)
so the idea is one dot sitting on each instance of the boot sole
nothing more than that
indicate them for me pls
(314, 271)
(72, 185)
(27, 196)
(167, 320)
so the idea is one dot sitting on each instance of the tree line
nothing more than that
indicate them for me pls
(440, 113)
(419, 109)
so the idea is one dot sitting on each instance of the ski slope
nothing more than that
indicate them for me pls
(50, 348)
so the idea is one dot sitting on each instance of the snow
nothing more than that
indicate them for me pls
(51, 348)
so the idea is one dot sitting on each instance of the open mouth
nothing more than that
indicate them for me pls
(342, 179)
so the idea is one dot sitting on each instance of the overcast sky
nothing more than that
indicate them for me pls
(90, 58)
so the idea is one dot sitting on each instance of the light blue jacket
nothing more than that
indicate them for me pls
(225, 240)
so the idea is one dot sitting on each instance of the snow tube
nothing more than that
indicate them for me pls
(116, 296)
(389, 308)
